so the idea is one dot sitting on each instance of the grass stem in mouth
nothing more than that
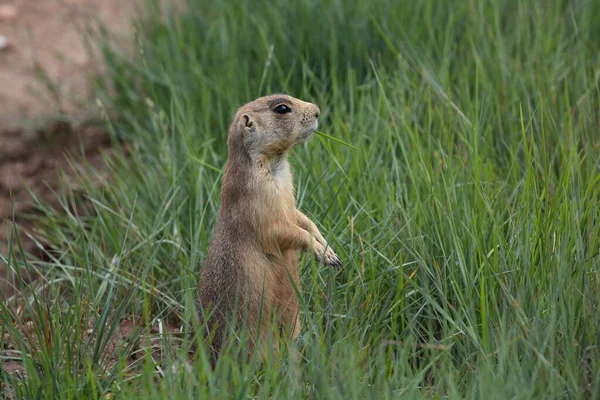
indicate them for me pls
(336, 140)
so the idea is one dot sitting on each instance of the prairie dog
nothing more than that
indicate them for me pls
(252, 266)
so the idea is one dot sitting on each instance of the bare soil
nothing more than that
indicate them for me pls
(44, 110)
(44, 97)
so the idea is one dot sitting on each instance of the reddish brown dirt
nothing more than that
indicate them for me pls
(43, 73)
(45, 39)
(44, 106)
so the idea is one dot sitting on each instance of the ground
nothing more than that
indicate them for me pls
(44, 98)
(37, 130)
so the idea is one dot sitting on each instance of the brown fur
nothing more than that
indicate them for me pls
(252, 268)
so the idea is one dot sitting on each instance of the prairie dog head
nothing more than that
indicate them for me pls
(271, 125)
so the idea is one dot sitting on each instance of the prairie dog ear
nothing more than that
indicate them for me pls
(247, 123)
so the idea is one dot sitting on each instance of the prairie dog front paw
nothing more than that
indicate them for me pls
(326, 255)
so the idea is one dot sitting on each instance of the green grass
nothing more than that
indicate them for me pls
(468, 219)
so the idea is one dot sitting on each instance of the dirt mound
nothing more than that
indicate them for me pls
(44, 62)
(44, 66)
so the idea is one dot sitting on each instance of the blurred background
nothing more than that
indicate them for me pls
(45, 100)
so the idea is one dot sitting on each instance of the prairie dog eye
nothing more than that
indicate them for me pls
(282, 109)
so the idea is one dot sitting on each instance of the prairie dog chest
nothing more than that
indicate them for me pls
(279, 187)
(281, 174)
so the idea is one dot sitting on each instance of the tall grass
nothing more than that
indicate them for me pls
(468, 220)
